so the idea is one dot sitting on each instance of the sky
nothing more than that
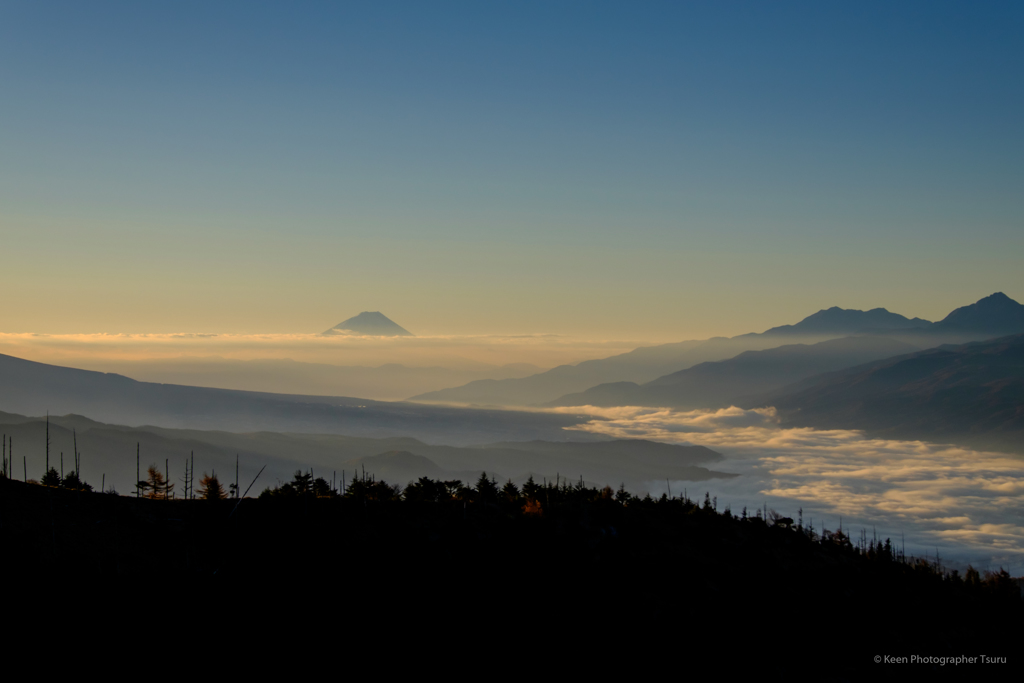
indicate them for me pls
(599, 170)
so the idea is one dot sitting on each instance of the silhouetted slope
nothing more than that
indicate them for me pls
(640, 365)
(719, 384)
(973, 393)
(111, 450)
(371, 323)
(37, 388)
(388, 382)
(645, 362)
(643, 576)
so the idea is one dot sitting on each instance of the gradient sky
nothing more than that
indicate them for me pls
(626, 170)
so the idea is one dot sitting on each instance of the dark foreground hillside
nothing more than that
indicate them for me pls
(601, 565)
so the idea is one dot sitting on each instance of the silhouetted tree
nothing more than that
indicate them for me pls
(155, 486)
(73, 482)
(972, 577)
(51, 478)
(210, 488)
(486, 489)
(622, 495)
(427, 491)
(321, 489)
(456, 491)
(368, 489)
(510, 491)
(532, 507)
(1002, 585)
(302, 482)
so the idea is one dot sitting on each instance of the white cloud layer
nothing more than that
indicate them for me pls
(452, 351)
(967, 505)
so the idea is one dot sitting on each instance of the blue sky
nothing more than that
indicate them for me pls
(617, 170)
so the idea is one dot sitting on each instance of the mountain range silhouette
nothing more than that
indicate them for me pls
(993, 316)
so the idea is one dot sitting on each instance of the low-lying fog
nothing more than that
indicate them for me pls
(966, 505)
(380, 368)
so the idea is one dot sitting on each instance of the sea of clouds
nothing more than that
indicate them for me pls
(91, 350)
(966, 506)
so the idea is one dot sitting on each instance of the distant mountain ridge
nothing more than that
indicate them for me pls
(370, 323)
(971, 393)
(995, 315)
(851, 321)
(722, 383)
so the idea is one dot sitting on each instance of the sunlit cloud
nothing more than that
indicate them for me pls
(541, 349)
(967, 504)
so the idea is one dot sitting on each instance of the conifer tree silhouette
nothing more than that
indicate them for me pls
(210, 488)
(156, 485)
